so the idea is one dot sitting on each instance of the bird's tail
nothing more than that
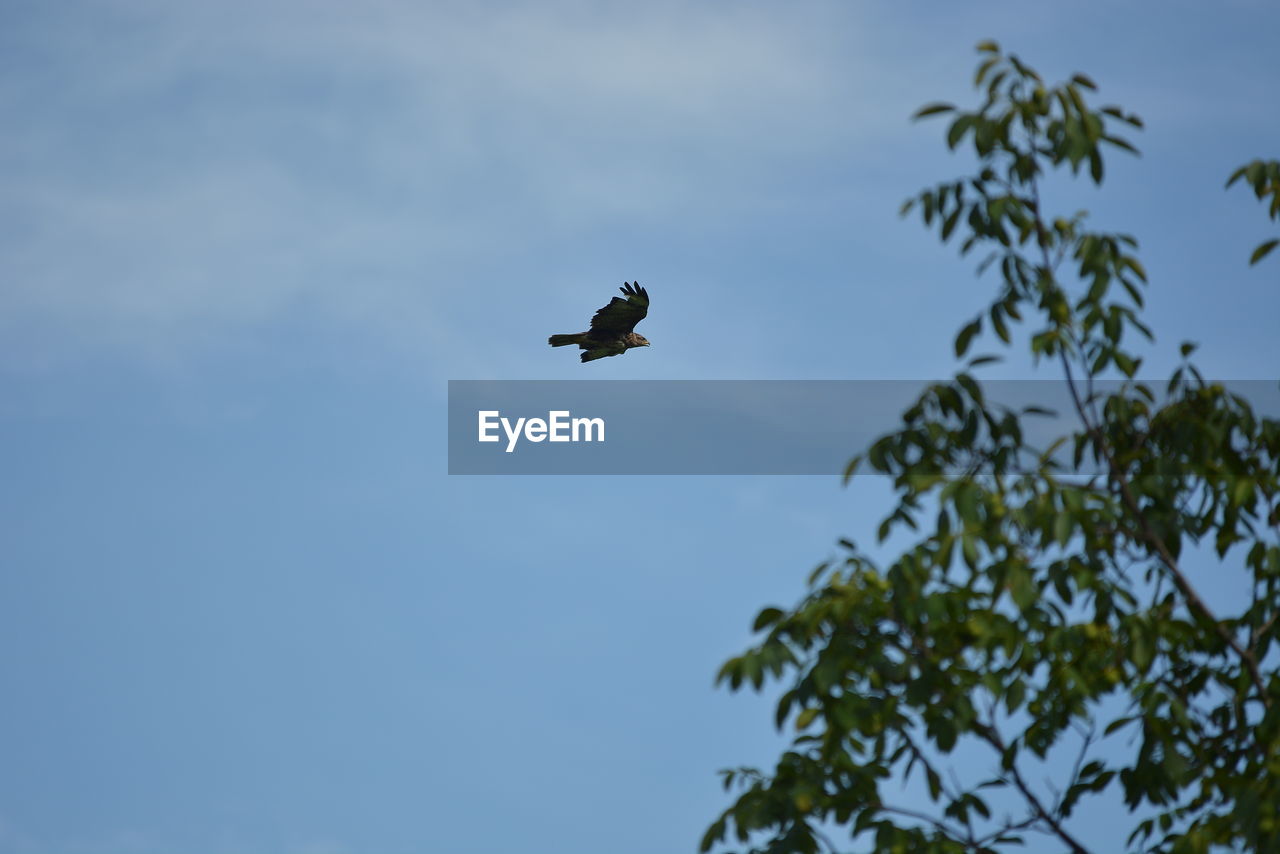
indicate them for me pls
(562, 340)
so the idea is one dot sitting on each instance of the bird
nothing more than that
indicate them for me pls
(612, 327)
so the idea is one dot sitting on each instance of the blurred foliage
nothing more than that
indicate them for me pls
(1044, 612)
(1264, 178)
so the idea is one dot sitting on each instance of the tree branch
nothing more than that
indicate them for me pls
(1157, 544)
(1153, 540)
(992, 737)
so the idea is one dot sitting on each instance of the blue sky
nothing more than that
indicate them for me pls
(243, 246)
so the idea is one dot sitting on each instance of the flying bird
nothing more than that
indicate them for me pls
(612, 327)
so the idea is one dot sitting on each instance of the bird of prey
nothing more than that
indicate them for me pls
(612, 327)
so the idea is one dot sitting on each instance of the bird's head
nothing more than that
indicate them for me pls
(637, 340)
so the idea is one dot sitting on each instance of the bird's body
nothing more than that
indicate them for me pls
(612, 327)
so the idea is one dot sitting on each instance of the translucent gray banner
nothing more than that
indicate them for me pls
(717, 427)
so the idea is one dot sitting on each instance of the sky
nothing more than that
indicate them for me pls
(243, 248)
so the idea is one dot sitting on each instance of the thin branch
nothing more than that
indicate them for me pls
(1009, 825)
(1086, 742)
(1260, 631)
(822, 837)
(918, 755)
(992, 736)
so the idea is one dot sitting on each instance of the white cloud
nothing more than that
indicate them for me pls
(176, 174)
(176, 169)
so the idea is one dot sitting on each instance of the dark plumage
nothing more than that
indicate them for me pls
(612, 327)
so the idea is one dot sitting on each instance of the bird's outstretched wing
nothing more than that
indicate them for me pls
(620, 316)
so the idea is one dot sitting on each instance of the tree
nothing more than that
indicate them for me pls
(1044, 607)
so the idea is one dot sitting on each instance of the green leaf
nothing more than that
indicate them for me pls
(985, 66)
(1118, 723)
(1262, 251)
(1062, 524)
(950, 223)
(1021, 588)
(958, 129)
(944, 734)
(852, 468)
(1095, 166)
(1120, 142)
(784, 708)
(997, 321)
(731, 672)
(1135, 265)
(966, 335)
(934, 783)
(1014, 696)
(1140, 652)
(766, 618)
(932, 110)
(713, 835)
(983, 360)
(971, 387)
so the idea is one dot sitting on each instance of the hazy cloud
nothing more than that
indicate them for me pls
(174, 171)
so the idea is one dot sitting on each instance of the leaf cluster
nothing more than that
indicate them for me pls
(1042, 612)
(1264, 178)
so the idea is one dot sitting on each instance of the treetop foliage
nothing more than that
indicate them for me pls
(1044, 615)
